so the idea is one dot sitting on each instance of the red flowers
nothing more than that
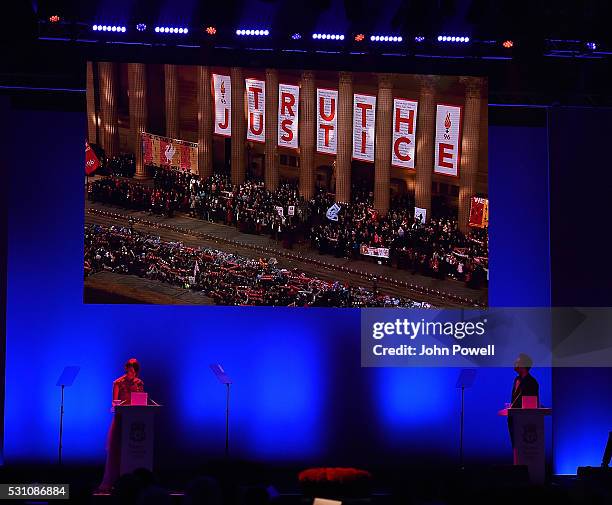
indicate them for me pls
(333, 475)
(335, 482)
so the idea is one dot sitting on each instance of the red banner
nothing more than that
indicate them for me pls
(165, 152)
(479, 212)
(91, 160)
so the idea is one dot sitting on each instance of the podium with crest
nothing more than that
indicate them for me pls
(137, 436)
(529, 442)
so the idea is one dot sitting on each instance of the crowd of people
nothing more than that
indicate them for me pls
(121, 165)
(435, 248)
(227, 278)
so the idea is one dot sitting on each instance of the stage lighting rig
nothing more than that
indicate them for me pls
(109, 28)
(328, 36)
(454, 39)
(386, 38)
(252, 33)
(180, 30)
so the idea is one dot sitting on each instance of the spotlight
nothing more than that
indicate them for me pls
(211, 30)
(591, 46)
(296, 36)
(359, 37)
(54, 19)
(419, 38)
(141, 27)
(508, 44)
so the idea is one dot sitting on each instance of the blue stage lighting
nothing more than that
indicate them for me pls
(419, 38)
(591, 45)
(109, 28)
(141, 27)
(386, 38)
(296, 36)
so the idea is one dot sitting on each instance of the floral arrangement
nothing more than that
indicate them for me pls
(335, 482)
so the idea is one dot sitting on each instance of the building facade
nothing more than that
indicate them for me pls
(261, 140)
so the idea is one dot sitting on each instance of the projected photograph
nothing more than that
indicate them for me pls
(304, 188)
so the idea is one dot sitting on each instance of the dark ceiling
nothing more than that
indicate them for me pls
(548, 64)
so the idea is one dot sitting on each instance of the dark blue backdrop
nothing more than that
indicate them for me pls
(299, 394)
(580, 210)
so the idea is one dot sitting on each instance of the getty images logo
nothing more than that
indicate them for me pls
(412, 329)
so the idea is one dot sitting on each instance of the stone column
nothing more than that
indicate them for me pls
(307, 135)
(172, 101)
(92, 119)
(345, 137)
(205, 125)
(137, 86)
(271, 151)
(426, 123)
(382, 152)
(109, 132)
(238, 127)
(470, 146)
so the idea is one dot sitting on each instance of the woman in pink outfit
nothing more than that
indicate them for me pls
(122, 389)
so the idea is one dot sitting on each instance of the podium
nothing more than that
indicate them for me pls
(529, 441)
(136, 436)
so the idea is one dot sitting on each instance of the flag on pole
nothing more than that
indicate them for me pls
(91, 160)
